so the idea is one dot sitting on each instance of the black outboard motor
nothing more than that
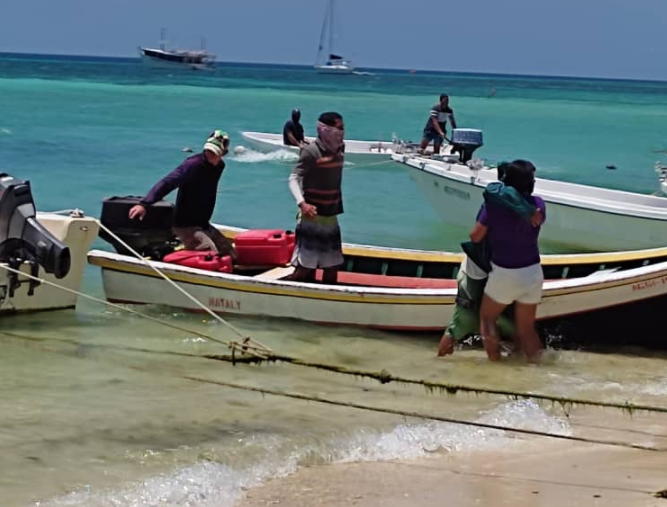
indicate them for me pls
(150, 237)
(465, 142)
(23, 238)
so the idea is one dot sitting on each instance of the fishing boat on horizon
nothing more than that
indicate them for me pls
(162, 57)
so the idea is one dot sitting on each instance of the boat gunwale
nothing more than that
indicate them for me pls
(551, 288)
(581, 201)
(436, 256)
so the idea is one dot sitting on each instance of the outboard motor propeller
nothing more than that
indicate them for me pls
(23, 238)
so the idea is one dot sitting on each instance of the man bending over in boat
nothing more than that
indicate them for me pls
(436, 125)
(293, 131)
(197, 182)
(475, 269)
(315, 184)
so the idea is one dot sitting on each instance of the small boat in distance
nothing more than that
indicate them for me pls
(335, 64)
(356, 151)
(162, 57)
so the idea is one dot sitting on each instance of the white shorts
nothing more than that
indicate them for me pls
(523, 285)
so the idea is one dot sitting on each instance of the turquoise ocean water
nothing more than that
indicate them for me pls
(81, 425)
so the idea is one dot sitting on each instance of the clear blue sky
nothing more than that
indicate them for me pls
(601, 38)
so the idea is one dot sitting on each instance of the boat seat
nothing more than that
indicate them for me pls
(397, 282)
(601, 273)
(276, 273)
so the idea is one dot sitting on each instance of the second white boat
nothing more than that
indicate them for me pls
(579, 217)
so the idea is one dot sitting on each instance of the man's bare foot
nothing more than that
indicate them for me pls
(492, 347)
(446, 345)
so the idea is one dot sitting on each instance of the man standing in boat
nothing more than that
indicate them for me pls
(436, 126)
(197, 182)
(315, 184)
(293, 131)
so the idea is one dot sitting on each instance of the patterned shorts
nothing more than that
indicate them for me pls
(318, 243)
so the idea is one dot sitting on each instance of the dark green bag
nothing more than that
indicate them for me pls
(479, 253)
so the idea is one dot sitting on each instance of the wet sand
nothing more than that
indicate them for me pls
(551, 474)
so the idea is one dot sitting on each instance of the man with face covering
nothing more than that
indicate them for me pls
(293, 131)
(315, 184)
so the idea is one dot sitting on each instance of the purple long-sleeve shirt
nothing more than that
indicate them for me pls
(197, 182)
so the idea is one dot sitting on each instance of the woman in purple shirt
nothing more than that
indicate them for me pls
(516, 275)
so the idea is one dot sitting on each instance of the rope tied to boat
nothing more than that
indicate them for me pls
(254, 352)
(247, 341)
(248, 346)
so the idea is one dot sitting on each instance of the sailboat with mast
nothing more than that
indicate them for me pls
(335, 64)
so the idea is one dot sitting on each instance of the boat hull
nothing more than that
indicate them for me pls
(357, 152)
(129, 280)
(76, 233)
(334, 69)
(457, 197)
(159, 63)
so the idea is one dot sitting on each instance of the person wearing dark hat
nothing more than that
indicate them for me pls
(197, 182)
(435, 129)
(293, 131)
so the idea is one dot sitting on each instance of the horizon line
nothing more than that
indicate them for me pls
(220, 64)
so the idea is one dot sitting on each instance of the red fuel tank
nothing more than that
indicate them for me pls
(264, 247)
(209, 261)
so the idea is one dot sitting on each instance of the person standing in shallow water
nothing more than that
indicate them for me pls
(472, 277)
(315, 184)
(516, 272)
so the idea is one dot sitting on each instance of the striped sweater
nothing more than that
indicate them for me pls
(317, 179)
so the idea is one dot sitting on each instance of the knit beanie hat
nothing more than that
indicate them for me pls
(218, 143)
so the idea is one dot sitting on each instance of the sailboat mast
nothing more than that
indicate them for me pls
(322, 34)
(331, 26)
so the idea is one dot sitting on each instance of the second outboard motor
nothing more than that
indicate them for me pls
(465, 142)
(22, 237)
(150, 237)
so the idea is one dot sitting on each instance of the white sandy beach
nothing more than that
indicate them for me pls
(561, 474)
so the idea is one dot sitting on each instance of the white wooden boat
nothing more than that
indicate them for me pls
(74, 231)
(387, 288)
(355, 151)
(578, 216)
